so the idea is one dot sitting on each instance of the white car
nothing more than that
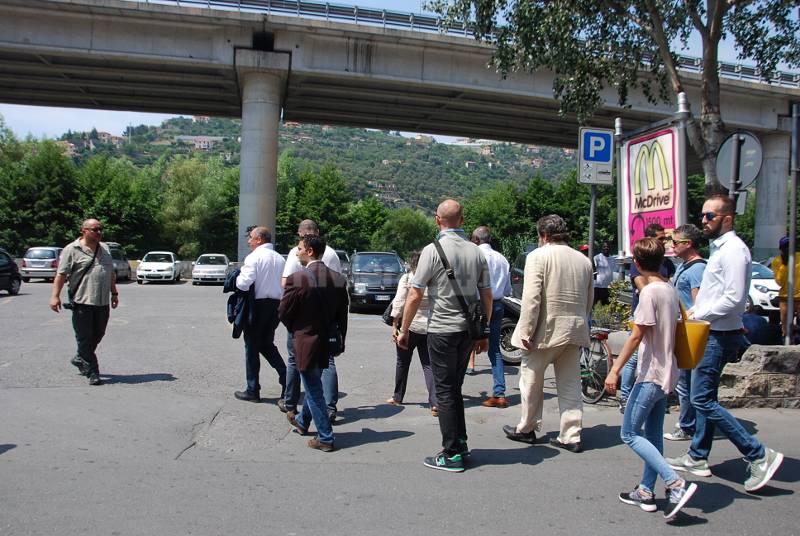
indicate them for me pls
(210, 268)
(763, 289)
(159, 266)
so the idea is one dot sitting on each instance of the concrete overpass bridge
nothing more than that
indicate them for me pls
(263, 60)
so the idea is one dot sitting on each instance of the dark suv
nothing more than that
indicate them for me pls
(373, 277)
(10, 279)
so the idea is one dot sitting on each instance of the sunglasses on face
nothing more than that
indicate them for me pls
(94, 229)
(708, 216)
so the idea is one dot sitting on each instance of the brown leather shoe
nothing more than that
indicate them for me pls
(315, 443)
(299, 429)
(495, 402)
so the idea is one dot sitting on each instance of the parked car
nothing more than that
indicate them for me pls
(122, 267)
(763, 292)
(373, 278)
(344, 260)
(210, 268)
(159, 266)
(40, 262)
(10, 279)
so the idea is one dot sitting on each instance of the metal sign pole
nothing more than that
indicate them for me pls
(736, 159)
(683, 114)
(792, 221)
(618, 145)
(592, 208)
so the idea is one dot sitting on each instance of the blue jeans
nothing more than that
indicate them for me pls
(710, 415)
(495, 357)
(628, 376)
(259, 340)
(646, 406)
(330, 380)
(314, 405)
(686, 418)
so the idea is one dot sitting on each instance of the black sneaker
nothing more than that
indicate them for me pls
(81, 364)
(443, 462)
(677, 498)
(645, 501)
(94, 379)
(247, 396)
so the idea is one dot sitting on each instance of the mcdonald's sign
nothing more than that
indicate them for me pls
(652, 177)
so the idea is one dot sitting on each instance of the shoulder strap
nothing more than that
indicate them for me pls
(452, 277)
(71, 292)
(689, 265)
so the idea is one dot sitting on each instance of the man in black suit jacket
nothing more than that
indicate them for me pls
(313, 299)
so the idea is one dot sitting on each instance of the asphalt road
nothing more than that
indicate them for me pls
(164, 448)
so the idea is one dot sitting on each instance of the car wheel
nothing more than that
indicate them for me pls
(138, 281)
(16, 283)
(195, 283)
(26, 279)
(511, 354)
(749, 307)
(177, 277)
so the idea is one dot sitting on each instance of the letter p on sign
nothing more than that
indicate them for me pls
(596, 146)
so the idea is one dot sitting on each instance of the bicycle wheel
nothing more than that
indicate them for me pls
(592, 387)
(594, 368)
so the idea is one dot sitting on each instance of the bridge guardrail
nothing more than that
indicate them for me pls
(427, 23)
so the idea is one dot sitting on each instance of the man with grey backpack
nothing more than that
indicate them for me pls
(86, 264)
(455, 272)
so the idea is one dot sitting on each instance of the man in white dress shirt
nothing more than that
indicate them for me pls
(330, 379)
(721, 301)
(604, 270)
(501, 286)
(262, 269)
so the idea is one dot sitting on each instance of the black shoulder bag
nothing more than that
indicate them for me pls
(70, 291)
(477, 324)
(334, 333)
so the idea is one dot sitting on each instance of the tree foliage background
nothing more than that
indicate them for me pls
(188, 203)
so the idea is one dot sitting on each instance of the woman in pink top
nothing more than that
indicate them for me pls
(654, 335)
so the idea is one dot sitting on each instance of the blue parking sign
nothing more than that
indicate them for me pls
(597, 146)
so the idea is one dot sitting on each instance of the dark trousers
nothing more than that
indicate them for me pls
(89, 323)
(420, 343)
(449, 354)
(259, 340)
(600, 296)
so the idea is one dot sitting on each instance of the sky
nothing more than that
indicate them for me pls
(41, 122)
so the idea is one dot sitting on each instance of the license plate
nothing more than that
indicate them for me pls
(382, 298)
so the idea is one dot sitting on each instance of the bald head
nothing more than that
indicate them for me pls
(91, 232)
(481, 235)
(449, 214)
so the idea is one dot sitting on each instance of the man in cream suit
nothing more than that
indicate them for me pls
(553, 325)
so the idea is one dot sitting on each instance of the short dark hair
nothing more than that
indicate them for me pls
(263, 233)
(554, 227)
(728, 204)
(316, 244)
(413, 260)
(689, 231)
(649, 253)
(652, 229)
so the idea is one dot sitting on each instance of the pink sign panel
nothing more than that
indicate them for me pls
(651, 184)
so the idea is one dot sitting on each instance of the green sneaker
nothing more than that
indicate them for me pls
(759, 472)
(690, 465)
(454, 463)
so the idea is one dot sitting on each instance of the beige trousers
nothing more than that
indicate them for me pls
(566, 362)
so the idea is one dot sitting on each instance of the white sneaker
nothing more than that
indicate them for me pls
(677, 435)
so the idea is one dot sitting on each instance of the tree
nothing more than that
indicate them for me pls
(624, 44)
(364, 217)
(405, 230)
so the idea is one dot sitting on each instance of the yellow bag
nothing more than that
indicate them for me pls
(691, 337)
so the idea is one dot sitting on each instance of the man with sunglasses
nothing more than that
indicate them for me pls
(86, 264)
(685, 243)
(721, 301)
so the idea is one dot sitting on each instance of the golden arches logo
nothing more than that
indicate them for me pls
(648, 155)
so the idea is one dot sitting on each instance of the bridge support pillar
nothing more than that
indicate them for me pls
(771, 195)
(262, 77)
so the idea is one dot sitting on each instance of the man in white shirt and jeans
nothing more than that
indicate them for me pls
(501, 286)
(721, 301)
(262, 268)
(330, 379)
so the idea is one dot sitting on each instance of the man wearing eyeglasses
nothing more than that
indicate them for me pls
(86, 264)
(721, 301)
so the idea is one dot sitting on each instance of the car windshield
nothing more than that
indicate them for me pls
(40, 254)
(157, 257)
(759, 271)
(342, 255)
(117, 255)
(377, 263)
(217, 260)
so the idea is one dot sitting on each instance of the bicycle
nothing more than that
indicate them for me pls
(595, 362)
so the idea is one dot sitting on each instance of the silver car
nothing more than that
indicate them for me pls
(210, 268)
(122, 267)
(40, 262)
